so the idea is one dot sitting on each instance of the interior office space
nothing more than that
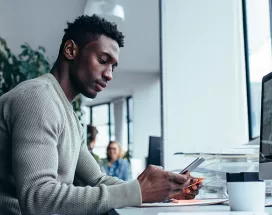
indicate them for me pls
(189, 69)
(136, 80)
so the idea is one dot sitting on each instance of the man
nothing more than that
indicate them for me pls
(42, 145)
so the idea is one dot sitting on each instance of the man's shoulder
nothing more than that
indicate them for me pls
(35, 98)
(34, 87)
(35, 92)
(31, 85)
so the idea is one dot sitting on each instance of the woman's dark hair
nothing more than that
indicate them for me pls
(91, 133)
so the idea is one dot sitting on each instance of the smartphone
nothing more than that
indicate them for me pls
(191, 167)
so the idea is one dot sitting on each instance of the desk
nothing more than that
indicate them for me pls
(156, 210)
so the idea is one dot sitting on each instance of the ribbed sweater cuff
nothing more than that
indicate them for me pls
(124, 195)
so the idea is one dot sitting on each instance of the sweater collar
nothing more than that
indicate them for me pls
(59, 90)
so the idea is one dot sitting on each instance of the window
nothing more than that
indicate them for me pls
(258, 56)
(101, 120)
(102, 117)
(111, 122)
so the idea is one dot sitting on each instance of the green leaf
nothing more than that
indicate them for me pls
(24, 46)
(30, 63)
(41, 48)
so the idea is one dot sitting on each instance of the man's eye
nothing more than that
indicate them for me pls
(102, 61)
(113, 67)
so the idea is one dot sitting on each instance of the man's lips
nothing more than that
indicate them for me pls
(100, 85)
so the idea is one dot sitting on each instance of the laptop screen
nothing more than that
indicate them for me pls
(266, 121)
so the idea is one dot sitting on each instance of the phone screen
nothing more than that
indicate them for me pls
(191, 167)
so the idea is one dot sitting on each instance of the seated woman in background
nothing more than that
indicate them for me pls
(114, 165)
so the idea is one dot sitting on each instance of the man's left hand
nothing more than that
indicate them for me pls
(190, 192)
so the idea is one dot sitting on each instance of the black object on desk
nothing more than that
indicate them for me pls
(154, 151)
(243, 177)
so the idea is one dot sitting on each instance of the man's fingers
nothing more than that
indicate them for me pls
(200, 183)
(189, 197)
(176, 187)
(194, 180)
(180, 179)
(187, 190)
(195, 184)
(194, 192)
(199, 186)
(194, 187)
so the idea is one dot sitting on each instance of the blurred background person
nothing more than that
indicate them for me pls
(114, 164)
(91, 140)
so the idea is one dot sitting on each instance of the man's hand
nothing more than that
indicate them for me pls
(157, 185)
(189, 193)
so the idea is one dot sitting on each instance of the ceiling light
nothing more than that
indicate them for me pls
(105, 8)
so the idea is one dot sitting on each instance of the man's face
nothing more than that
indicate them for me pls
(93, 65)
(92, 145)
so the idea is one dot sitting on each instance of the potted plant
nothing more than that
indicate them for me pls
(30, 63)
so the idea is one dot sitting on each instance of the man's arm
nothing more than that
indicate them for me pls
(89, 172)
(36, 127)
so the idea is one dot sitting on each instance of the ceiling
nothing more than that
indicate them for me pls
(42, 23)
(130, 82)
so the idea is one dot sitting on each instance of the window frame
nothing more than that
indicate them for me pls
(247, 68)
(128, 120)
(109, 124)
(109, 116)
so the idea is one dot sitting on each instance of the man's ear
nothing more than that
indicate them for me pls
(70, 50)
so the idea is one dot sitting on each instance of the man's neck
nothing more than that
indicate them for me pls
(60, 71)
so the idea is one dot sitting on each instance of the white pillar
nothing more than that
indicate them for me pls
(204, 86)
(146, 117)
(119, 107)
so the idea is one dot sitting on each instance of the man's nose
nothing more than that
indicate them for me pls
(108, 74)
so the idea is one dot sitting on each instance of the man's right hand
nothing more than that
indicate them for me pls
(157, 184)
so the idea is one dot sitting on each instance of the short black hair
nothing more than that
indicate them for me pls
(86, 29)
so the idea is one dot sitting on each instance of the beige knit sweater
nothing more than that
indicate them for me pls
(42, 149)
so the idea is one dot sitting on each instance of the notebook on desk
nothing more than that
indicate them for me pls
(186, 203)
(215, 213)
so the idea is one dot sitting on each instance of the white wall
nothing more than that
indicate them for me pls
(204, 89)
(42, 23)
(146, 116)
(39, 23)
